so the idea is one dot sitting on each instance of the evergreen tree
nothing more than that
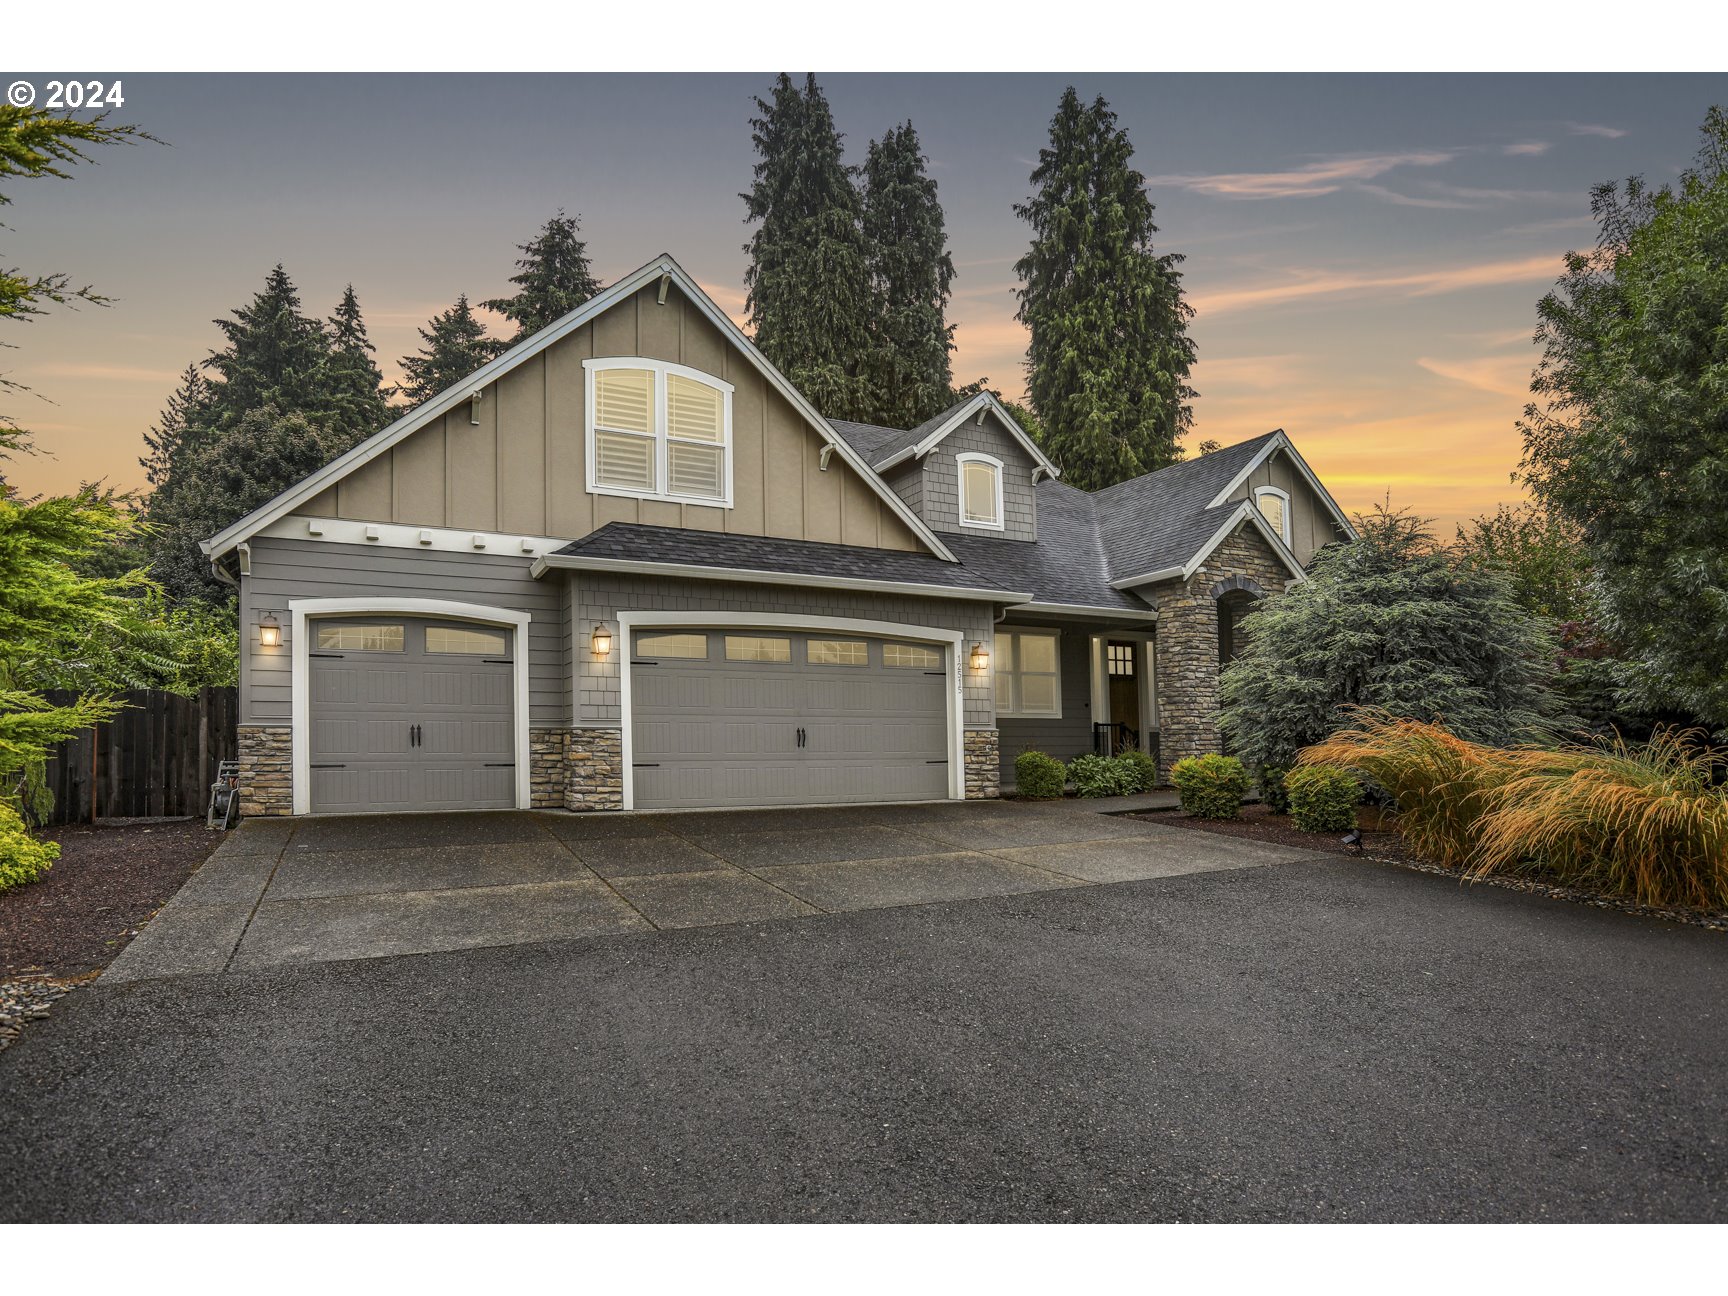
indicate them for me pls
(1109, 354)
(275, 356)
(808, 282)
(555, 278)
(456, 345)
(908, 374)
(1629, 445)
(353, 385)
(187, 412)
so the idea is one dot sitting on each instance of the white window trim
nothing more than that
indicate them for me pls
(952, 641)
(660, 369)
(1017, 713)
(972, 456)
(300, 673)
(1284, 495)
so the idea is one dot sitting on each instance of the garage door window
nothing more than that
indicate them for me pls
(750, 648)
(450, 639)
(910, 657)
(692, 646)
(838, 652)
(360, 638)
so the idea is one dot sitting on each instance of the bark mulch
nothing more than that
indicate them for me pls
(1382, 843)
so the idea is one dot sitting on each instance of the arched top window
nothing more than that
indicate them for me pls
(658, 431)
(980, 491)
(1274, 506)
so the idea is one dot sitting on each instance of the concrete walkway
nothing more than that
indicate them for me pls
(282, 892)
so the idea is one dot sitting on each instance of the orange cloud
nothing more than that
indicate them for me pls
(1417, 283)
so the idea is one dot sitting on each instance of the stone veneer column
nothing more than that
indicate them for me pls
(548, 768)
(1187, 645)
(595, 760)
(266, 770)
(983, 764)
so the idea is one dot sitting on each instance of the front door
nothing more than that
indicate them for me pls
(1121, 665)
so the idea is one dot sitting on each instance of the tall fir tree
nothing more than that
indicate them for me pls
(808, 280)
(455, 345)
(556, 278)
(353, 385)
(1110, 354)
(178, 427)
(275, 356)
(908, 374)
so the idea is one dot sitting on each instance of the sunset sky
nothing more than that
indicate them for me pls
(1364, 252)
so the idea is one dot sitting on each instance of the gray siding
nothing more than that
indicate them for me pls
(296, 569)
(908, 482)
(1311, 525)
(600, 597)
(938, 501)
(1071, 735)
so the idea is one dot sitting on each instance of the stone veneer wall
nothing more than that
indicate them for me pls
(595, 760)
(983, 765)
(548, 757)
(266, 770)
(1187, 647)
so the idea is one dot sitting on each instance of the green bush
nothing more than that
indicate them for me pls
(1323, 798)
(1272, 789)
(1102, 776)
(22, 858)
(1142, 768)
(1210, 787)
(1038, 775)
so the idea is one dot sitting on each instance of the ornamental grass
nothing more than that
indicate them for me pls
(1647, 822)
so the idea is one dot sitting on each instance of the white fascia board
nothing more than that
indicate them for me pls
(1087, 610)
(441, 404)
(983, 400)
(1281, 441)
(688, 571)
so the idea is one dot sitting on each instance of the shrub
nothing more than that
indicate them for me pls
(1647, 822)
(1272, 789)
(1101, 776)
(1210, 787)
(1038, 775)
(22, 858)
(1323, 798)
(1439, 782)
(1142, 768)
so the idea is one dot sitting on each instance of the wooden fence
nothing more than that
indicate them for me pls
(156, 758)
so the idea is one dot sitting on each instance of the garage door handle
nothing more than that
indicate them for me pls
(644, 764)
(329, 767)
(324, 654)
(940, 762)
(500, 765)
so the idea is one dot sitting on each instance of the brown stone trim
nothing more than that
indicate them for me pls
(983, 764)
(266, 770)
(595, 760)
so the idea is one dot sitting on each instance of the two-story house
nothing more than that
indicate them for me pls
(627, 565)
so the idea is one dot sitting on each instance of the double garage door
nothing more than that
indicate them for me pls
(411, 714)
(757, 717)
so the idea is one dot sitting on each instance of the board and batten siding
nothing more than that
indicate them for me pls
(523, 469)
(937, 491)
(600, 597)
(1063, 738)
(1311, 526)
(296, 569)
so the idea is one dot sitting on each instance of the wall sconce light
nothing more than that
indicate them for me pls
(602, 641)
(980, 656)
(270, 631)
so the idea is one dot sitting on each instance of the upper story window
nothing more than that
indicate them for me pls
(659, 431)
(1274, 506)
(980, 491)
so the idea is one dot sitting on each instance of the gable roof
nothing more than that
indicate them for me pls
(1269, 446)
(639, 548)
(886, 447)
(450, 398)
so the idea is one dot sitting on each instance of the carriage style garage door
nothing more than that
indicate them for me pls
(758, 717)
(410, 714)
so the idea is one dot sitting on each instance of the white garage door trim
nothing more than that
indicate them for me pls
(954, 639)
(300, 673)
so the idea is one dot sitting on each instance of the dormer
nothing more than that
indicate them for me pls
(1287, 494)
(971, 470)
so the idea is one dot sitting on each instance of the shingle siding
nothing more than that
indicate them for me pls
(940, 490)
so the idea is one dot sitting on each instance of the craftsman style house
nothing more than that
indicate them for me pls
(627, 565)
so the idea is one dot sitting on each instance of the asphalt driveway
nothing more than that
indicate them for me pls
(1328, 1040)
(281, 892)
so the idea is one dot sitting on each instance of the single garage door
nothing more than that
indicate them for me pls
(410, 714)
(747, 717)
